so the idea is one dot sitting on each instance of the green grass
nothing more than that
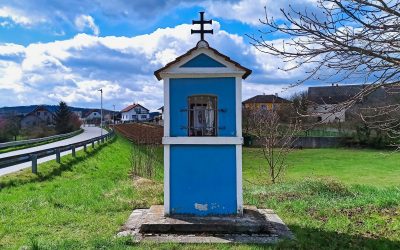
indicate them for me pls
(330, 198)
(350, 166)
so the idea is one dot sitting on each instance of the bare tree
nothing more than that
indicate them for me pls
(300, 102)
(13, 127)
(276, 138)
(344, 41)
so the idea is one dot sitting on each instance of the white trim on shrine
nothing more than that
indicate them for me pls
(175, 70)
(202, 140)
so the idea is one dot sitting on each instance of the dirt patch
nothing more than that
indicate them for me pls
(369, 210)
(147, 192)
(141, 182)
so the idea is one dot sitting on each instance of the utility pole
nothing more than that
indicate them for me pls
(114, 114)
(101, 112)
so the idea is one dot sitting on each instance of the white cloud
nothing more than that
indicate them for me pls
(10, 77)
(74, 69)
(85, 21)
(11, 49)
(15, 15)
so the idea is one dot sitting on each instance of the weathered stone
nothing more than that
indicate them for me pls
(255, 226)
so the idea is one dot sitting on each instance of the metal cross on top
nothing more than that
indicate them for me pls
(202, 31)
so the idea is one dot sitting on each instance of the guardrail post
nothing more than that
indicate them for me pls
(92, 144)
(34, 164)
(73, 151)
(58, 156)
(98, 141)
(84, 148)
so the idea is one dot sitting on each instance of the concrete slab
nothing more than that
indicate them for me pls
(255, 226)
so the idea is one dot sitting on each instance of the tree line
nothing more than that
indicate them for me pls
(65, 121)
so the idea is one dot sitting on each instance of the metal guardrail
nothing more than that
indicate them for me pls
(37, 140)
(34, 156)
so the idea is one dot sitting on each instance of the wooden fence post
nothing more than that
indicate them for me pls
(34, 164)
(58, 156)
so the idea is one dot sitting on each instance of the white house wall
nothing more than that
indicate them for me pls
(328, 113)
(127, 116)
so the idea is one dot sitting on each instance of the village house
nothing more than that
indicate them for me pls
(92, 117)
(160, 120)
(40, 116)
(324, 101)
(135, 113)
(268, 102)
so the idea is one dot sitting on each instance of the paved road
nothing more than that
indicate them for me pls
(88, 133)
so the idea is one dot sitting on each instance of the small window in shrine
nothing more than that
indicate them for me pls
(202, 115)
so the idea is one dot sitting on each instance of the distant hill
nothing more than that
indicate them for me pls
(22, 110)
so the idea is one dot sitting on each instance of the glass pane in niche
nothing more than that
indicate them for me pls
(202, 115)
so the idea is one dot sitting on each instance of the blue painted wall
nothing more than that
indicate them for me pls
(203, 60)
(223, 88)
(204, 175)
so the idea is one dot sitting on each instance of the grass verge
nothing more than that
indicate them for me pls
(10, 149)
(82, 202)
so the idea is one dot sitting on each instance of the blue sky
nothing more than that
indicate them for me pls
(52, 50)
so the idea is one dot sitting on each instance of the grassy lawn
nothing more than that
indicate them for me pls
(350, 166)
(330, 198)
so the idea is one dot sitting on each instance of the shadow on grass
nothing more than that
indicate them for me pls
(21, 178)
(313, 238)
(306, 238)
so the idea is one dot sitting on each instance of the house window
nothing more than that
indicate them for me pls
(263, 107)
(202, 115)
(38, 113)
(143, 116)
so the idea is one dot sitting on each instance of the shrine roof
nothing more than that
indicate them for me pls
(201, 45)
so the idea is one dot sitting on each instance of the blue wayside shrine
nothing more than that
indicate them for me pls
(203, 132)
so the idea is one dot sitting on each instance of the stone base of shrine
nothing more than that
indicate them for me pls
(255, 226)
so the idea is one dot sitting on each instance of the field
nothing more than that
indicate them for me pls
(330, 198)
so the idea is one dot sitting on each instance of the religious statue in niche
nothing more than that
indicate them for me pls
(202, 116)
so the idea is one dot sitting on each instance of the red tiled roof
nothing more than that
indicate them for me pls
(132, 106)
(228, 59)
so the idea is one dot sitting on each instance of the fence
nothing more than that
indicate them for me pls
(308, 142)
(34, 156)
(38, 140)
